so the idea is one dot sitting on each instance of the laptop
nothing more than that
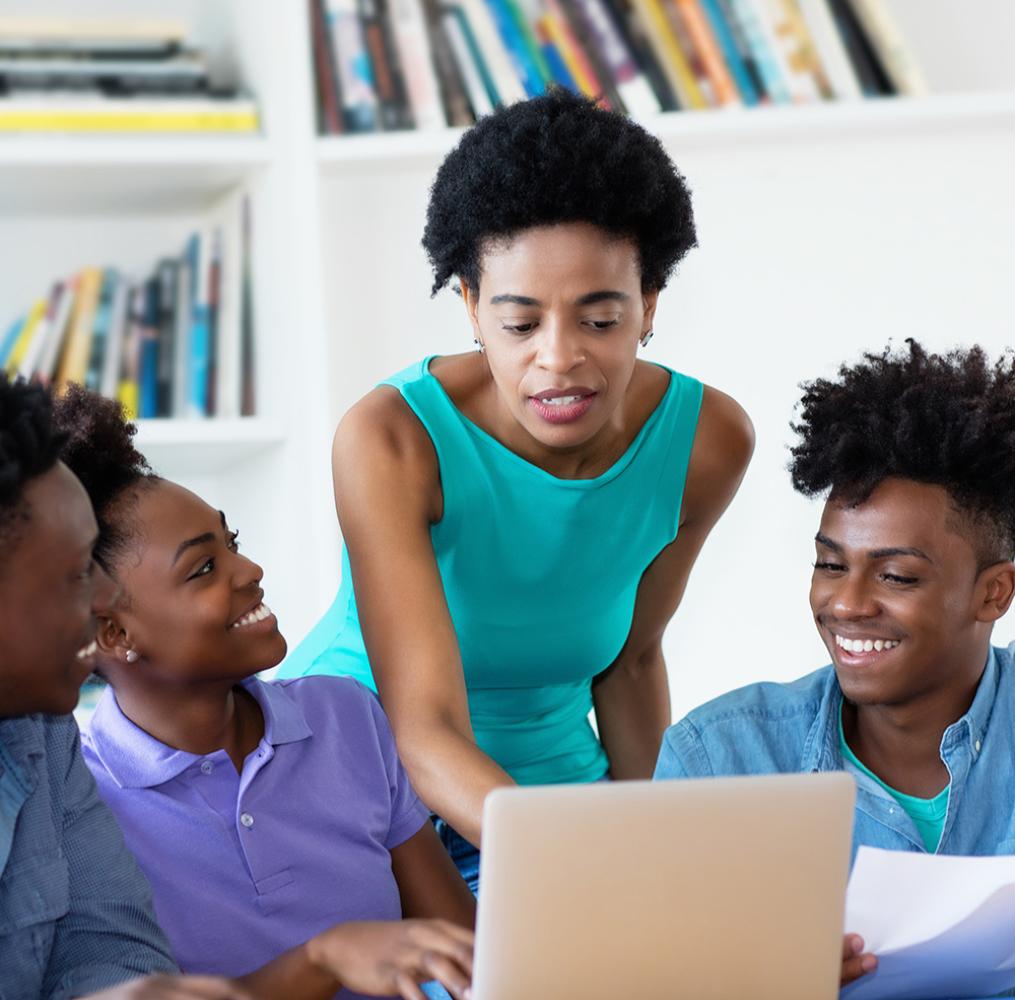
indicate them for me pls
(705, 889)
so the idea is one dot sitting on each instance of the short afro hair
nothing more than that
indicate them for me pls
(554, 159)
(943, 419)
(29, 447)
(99, 450)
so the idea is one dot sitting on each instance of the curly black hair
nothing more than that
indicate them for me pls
(29, 446)
(942, 419)
(557, 158)
(99, 450)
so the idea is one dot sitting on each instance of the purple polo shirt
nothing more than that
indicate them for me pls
(246, 866)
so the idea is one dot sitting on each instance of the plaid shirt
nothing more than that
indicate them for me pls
(75, 911)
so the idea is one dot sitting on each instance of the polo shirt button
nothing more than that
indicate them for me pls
(247, 820)
(977, 745)
(207, 767)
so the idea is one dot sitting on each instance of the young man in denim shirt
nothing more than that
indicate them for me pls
(75, 911)
(916, 454)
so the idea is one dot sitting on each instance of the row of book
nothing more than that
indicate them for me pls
(395, 64)
(177, 344)
(125, 75)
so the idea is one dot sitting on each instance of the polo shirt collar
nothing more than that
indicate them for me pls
(135, 759)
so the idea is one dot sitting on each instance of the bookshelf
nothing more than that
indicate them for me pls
(823, 230)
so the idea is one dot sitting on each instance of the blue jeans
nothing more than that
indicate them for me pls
(464, 855)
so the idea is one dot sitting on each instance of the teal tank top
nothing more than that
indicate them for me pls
(540, 576)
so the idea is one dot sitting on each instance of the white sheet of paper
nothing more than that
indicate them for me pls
(941, 926)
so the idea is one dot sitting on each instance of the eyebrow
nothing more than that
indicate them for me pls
(586, 300)
(887, 553)
(197, 540)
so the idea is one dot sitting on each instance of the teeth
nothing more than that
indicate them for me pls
(865, 645)
(259, 613)
(86, 651)
(561, 400)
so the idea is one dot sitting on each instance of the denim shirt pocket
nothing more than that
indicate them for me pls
(34, 895)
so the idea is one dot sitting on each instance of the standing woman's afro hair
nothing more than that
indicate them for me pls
(554, 159)
(943, 419)
(100, 451)
(29, 447)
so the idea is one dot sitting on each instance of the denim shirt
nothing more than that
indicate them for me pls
(778, 728)
(75, 911)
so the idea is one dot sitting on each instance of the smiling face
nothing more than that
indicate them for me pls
(898, 598)
(50, 592)
(193, 608)
(560, 310)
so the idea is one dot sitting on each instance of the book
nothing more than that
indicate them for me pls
(773, 76)
(782, 44)
(870, 73)
(704, 43)
(129, 390)
(450, 84)
(73, 363)
(831, 51)
(678, 27)
(559, 34)
(146, 316)
(45, 368)
(141, 37)
(585, 42)
(100, 331)
(527, 70)
(214, 306)
(114, 362)
(329, 98)
(671, 57)
(197, 253)
(228, 376)
(44, 333)
(478, 85)
(894, 53)
(355, 81)
(799, 49)
(412, 42)
(631, 29)
(181, 336)
(165, 325)
(743, 48)
(390, 87)
(730, 50)
(183, 72)
(495, 54)
(10, 338)
(75, 112)
(248, 360)
(631, 84)
(25, 336)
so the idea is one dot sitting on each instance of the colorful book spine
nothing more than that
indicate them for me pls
(478, 83)
(496, 56)
(114, 362)
(74, 362)
(100, 332)
(554, 56)
(413, 43)
(45, 370)
(147, 313)
(765, 56)
(526, 69)
(450, 83)
(894, 53)
(74, 113)
(730, 52)
(25, 336)
(627, 22)
(559, 32)
(704, 42)
(10, 338)
(359, 99)
(874, 81)
(325, 72)
(197, 371)
(43, 334)
(671, 57)
(385, 65)
(830, 49)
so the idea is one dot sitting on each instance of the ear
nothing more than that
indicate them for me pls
(112, 639)
(649, 300)
(997, 587)
(470, 297)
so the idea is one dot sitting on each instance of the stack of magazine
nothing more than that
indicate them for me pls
(177, 343)
(125, 75)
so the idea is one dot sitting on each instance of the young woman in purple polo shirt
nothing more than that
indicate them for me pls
(278, 829)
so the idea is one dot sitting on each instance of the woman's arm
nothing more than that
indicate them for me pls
(428, 881)
(387, 493)
(632, 698)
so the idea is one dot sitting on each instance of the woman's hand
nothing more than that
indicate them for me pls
(391, 958)
(174, 988)
(855, 961)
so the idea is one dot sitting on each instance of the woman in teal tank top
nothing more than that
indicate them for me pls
(520, 521)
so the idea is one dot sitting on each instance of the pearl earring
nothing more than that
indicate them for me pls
(131, 656)
(646, 337)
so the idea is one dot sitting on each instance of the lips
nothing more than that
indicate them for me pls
(564, 405)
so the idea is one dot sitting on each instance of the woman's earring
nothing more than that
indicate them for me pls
(646, 337)
(479, 346)
(130, 656)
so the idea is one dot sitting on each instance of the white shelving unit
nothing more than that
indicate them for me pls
(823, 230)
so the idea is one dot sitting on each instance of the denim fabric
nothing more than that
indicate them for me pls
(773, 728)
(75, 911)
(464, 855)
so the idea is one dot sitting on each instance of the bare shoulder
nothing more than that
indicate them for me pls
(723, 445)
(380, 446)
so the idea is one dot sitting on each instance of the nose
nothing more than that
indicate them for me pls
(853, 598)
(559, 350)
(247, 573)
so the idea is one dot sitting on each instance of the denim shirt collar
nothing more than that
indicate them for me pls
(135, 759)
(21, 747)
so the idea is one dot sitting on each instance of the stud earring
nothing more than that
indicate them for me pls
(130, 656)
(480, 346)
(646, 337)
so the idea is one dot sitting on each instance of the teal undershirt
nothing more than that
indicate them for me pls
(928, 815)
